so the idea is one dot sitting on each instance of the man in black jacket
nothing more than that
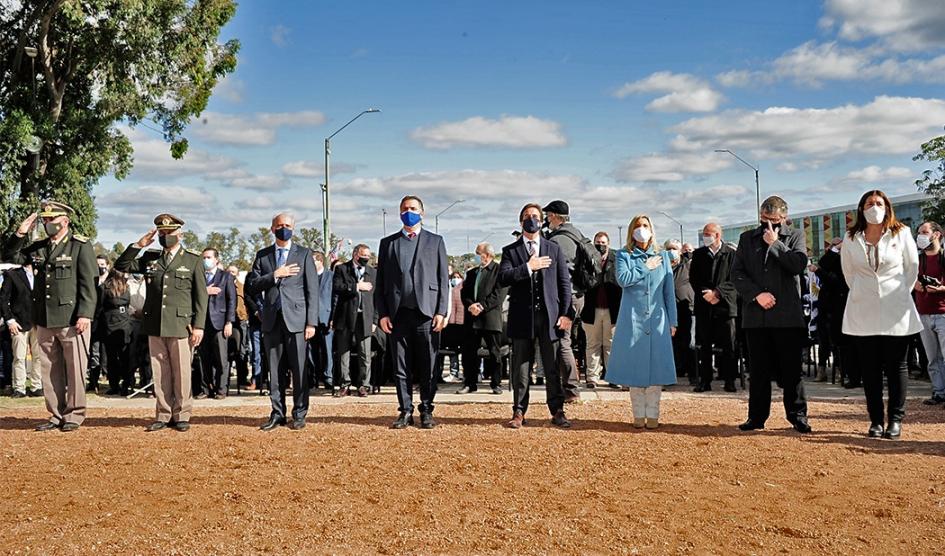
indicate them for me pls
(683, 353)
(16, 305)
(599, 315)
(768, 264)
(831, 302)
(482, 298)
(715, 308)
(221, 314)
(354, 320)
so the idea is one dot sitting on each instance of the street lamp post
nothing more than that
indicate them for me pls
(620, 233)
(384, 217)
(325, 207)
(678, 222)
(436, 219)
(757, 182)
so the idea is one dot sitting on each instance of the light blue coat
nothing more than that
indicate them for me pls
(642, 352)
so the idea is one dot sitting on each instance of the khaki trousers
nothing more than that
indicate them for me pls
(23, 343)
(171, 367)
(63, 360)
(600, 338)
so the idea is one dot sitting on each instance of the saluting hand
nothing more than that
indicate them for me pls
(27, 224)
(146, 239)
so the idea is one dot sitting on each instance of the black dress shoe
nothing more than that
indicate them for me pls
(155, 426)
(38, 393)
(182, 426)
(375, 389)
(496, 390)
(751, 425)
(426, 421)
(876, 430)
(893, 430)
(801, 425)
(849, 384)
(271, 424)
(298, 424)
(703, 388)
(730, 387)
(69, 427)
(403, 421)
(559, 420)
(18, 394)
(47, 426)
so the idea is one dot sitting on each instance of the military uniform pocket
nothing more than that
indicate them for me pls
(183, 312)
(63, 270)
(182, 280)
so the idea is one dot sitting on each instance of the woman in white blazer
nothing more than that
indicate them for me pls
(880, 265)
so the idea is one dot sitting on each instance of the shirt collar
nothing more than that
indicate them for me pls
(407, 234)
(287, 246)
(536, 241)
(173, 251)
(714, 251)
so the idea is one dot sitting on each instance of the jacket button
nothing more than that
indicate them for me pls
(47, 297)
(163, 306)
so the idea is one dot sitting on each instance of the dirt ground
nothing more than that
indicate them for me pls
(347, 484)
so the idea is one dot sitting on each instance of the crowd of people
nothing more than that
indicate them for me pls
(556, 308)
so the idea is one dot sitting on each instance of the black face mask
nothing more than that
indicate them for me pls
(363, 261)
(168, 241)
(102, 270)
(601, 249)
(531, 225)
(52, 228)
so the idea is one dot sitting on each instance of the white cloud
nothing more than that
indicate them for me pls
(787, 167)
(252, 129)
(309, 169)
(685, 92)
(231, 89)
(736, 78)
(156, 197)
(280, 35)
(885, 126)
(257, 182)
(897, 24)
(507, 131)
(876, 174)
(153, 160)
(812, 63)
(669, 167)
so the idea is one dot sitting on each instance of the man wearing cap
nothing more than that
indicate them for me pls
(175, 311)
(63, 306)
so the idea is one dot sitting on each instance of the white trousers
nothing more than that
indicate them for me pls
(22, 343)
(600, 337)
(645, 402)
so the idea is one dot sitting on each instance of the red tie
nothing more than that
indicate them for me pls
(411, 235)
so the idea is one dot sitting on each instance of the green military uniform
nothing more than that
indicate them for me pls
(63, 292)
(174, 305)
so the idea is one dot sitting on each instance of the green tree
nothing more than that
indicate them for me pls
(933, 180)
(73, 69)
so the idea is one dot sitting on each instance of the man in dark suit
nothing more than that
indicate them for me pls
(768, 264)
(716, 307)
(536, 273)
(683, 352)
(221, 313)
(284, 274)
(601, 306)
(16, 305)
(482, 300)
(411, 297)
(320, 356)
(354, 320)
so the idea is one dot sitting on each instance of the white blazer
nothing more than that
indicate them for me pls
(880, 302)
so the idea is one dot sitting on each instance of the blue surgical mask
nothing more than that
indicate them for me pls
(455, 282)
(477, 260)
(208, 264)
(410, 218)
(283, 234)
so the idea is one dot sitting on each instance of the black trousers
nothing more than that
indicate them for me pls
(523, 356)
(285, 352)
(121, 375)
(878, 357)
(214, 363)
(842, 347)
(683, 354)
(716, 332)
(474, 338)
(775, 353)
(413, 348)
(352, 356)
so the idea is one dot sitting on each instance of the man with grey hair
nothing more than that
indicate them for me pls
(766, 272)
(482, 298)
(716, 306)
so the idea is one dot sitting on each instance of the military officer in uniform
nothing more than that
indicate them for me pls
(64, 300)
(175, 311)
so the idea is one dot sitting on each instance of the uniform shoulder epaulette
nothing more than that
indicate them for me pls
(192, 252)
(80, 237)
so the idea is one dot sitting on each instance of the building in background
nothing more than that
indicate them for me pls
(821, 226)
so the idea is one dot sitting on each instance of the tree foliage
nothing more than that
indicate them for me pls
(98, 64)
(933, 180)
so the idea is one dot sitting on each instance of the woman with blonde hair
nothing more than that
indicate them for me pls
(880, 264)
(642, 353)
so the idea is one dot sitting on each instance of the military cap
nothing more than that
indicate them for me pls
(557, 207)
(167, 222)
(52, 209)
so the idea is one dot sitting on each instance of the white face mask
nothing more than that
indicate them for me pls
(875, 214)
(642, 234)
(708, 241)
(923, 241)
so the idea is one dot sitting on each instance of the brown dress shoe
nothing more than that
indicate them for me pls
(518, 420)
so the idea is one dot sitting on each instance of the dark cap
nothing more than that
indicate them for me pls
(52, 209)
(557, 207)
(167, 222)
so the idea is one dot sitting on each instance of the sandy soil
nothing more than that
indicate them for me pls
(347, 484)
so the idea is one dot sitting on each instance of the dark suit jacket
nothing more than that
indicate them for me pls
(16, 302)
(556, 288)
(326, 305)
(833, 288)
(430, 275)
(299, 293)
(714, 273)
(221, 308)
(778, 273)
(613, 290)
(491, 295)
(346, 292)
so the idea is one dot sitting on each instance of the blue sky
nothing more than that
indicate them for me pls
(615, 107)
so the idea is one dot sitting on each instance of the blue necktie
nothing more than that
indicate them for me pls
(280, 261)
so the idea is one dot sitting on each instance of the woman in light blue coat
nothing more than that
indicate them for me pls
(642, 353)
